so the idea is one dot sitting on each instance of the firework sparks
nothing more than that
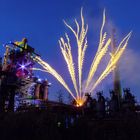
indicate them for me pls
(50, 70)
(102, 49)
(66, 51)
(113, 61)
(81, 38)
(39, 69)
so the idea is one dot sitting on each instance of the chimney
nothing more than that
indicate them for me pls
(116, 74)
(46, 90)
(37, 90)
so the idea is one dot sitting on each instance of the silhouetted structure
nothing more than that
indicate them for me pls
(116, 75)
(35, 114)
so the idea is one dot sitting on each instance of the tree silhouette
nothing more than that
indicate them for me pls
(60, 96)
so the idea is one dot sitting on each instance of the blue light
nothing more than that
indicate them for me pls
(22, 66)
(39, 80)
(49, 84)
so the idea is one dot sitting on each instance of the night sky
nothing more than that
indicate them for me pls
(41, 21)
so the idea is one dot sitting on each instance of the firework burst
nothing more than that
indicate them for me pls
(80, 35)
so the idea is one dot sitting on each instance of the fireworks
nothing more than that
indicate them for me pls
(113, 61)
(53, 72)
(80, 35)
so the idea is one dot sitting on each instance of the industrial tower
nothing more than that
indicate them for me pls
(116, 74)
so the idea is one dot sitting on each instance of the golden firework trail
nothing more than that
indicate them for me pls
(39, 69)
(113, 61)
(50, 70)
(102, 49)
(81, 39)
(67, 54)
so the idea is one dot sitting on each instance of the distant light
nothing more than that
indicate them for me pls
(22, 66)
(39, 80)
(49, 84)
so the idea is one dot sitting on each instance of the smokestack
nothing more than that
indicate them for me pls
(116, 75)
(45, 92)
(37, 90)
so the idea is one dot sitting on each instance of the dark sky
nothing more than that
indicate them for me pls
(41, 22)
